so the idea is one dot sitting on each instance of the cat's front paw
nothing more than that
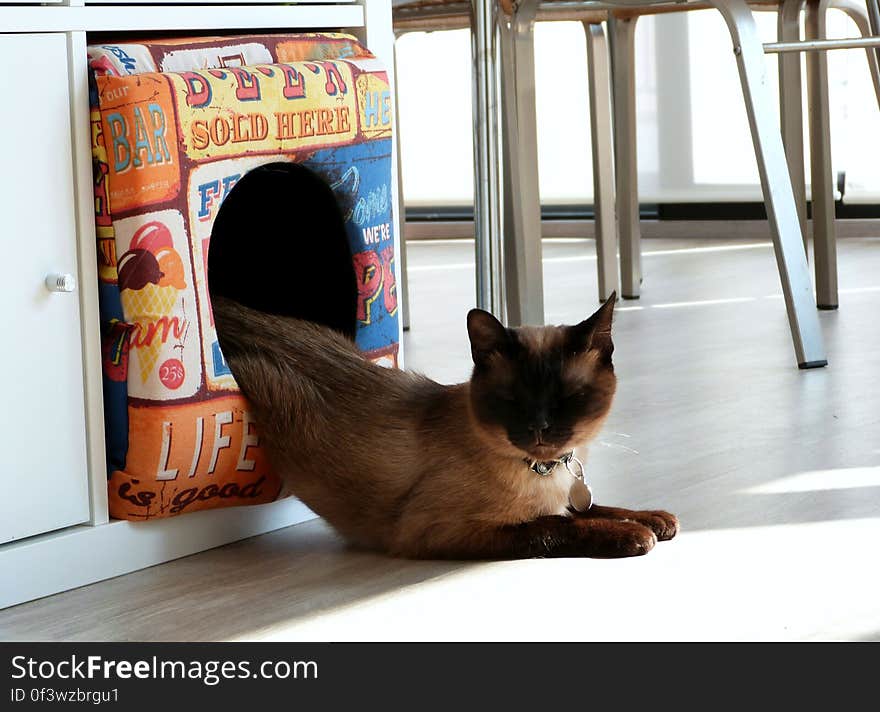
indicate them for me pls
(610, 539)
(663, 524)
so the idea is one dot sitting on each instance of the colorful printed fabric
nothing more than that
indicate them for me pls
(175, 124)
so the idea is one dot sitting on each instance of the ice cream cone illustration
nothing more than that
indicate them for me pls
(151, 304)
(150, 276)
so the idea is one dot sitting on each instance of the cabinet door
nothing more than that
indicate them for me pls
(43, 474)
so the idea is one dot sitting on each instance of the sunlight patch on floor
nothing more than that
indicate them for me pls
(779, 595)
(703, 302)
(821, 480)
(579, 258)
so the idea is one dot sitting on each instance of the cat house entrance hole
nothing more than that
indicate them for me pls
(279, 245)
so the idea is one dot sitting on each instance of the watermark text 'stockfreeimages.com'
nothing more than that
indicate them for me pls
(210, 672)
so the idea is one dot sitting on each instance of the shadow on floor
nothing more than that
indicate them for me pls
(233, 591)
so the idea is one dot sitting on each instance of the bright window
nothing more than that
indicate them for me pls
(688, 94)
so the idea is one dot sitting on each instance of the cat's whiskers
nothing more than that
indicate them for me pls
(617, 446)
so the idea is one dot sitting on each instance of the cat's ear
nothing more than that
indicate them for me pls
(594, 334)
(487, 335)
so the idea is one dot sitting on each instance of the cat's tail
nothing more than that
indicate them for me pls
(275, 360)
(243, 330)
(239, 328)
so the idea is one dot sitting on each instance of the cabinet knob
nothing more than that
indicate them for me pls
(61, 283)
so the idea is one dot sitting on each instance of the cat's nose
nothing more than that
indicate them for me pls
(539, 427)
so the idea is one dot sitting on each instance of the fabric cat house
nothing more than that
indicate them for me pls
(175, 125)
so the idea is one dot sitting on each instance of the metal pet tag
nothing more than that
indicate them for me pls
(580, 497)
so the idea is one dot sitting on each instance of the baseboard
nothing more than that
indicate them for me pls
(703, 229)
(73, 557)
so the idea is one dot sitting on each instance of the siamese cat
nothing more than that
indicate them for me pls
(398, 463)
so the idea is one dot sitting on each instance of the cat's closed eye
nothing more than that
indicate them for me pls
(578, 393)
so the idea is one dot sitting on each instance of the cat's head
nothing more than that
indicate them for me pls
(541, 391)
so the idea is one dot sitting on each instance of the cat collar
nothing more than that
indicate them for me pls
(545, 468)
(580, 497)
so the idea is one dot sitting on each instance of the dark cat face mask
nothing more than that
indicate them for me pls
(542, 390)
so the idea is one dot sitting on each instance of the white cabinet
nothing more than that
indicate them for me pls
(43, 471)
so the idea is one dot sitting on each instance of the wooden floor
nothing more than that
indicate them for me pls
(774, 472)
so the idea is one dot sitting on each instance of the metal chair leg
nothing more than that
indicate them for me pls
(791, 106)
(776, 183)
(403, 287)
(873, 12)
(622, 32)
(821, 181)
(511, 215)
(602, 138)
(523, 268)
(487, 193)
